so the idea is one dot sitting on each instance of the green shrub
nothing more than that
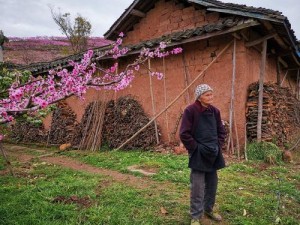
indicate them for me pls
(265, 151)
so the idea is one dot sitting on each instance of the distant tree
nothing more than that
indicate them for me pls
(77, 33)
(3, 39)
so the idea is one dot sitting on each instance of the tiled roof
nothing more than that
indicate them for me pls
(215, 3)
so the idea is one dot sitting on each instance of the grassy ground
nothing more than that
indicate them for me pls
(43, 193)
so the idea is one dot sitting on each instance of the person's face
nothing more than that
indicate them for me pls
(207, 98)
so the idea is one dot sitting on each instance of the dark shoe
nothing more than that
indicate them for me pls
(213, 216)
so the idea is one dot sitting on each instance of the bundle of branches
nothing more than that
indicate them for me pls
(26, 132)
(280, 119)
(123, 119)
(88, 133)
(62, 125)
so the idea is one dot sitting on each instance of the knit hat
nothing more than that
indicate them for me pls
(201, 89)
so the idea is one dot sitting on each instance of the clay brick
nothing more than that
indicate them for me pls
(165, 10)
(186, 23)
(162, 23)
(177, 13)
(165, 16)
(212, 17)
(199, 19)
(176, 19)
(173, 26)
(187, 16)
(163, 27)
(188, 10)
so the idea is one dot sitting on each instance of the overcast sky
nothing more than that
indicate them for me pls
(30, 18)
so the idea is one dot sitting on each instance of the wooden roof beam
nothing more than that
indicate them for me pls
(244, 35)
(285, 65)
(138, 13)
(237, 36)
(260, 40)
(278, 39)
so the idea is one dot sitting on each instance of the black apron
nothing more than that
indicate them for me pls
(205, 155)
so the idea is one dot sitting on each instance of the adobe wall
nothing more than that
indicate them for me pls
(197, 56)
(168, 17)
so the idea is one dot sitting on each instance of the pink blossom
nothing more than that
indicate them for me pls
(60, 84)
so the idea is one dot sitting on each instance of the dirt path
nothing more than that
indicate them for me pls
(21, 153)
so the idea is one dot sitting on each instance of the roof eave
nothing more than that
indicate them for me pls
(114, 27)
(247, 14)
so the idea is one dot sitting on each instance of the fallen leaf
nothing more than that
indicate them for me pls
(278, 220)
(163, 210)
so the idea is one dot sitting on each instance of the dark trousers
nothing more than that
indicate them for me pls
(203, 192)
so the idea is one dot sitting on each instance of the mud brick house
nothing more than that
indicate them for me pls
(226, 45)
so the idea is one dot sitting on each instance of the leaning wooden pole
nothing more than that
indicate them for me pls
(152, 100)
(181, 93)
(261, 91)
(231, 110)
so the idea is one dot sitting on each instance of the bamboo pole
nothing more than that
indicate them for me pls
(115, 94)
(186, 80)
(165, 95)
(283, 79)
(261, 90)
(181, 93)
(48, 138)
(278, 68)
(237, 137)
(231, 110)
(152, 100)
(85, 132)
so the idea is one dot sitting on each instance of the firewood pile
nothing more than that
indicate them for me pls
(281, 110)
(88, 133)
(123, 119)
(63, 125)
(26, 132)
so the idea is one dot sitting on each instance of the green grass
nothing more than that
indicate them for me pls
(29, 200)
(265, 151)
(170, 167)
(249, 192)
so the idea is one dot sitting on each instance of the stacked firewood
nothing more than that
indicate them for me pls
(280, 117)
(27, 132)
(123, 119)
(63, 125)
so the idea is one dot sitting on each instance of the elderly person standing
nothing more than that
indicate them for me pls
(203, 134)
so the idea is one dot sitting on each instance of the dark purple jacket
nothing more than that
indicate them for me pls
(190, 121)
